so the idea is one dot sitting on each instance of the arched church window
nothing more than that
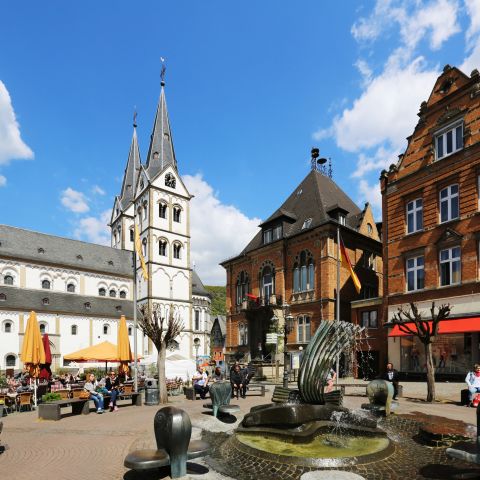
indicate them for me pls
(162, 210)
(123, 294)
(145, 210)
(177, 211)
(71, 288)
(102, 292)
(177, 250)
(112, 293)
(7, 327)
(144, 247)
(106, 329)
(162, 248)
(10, 360)
(8, 280)
(43, 327)
(74, 329)
(46, 284)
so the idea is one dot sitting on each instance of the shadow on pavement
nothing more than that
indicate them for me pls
(448, 472)
(164, 472)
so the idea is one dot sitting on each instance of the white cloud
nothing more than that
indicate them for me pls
(370, 193)
(380, 160)
(218, 231)
(386, 110)
(74, 201)
(11, 144)
(3, 181)
(365, 71)
(416, 20)
(98, 190)
(473, 10)
(94, 229)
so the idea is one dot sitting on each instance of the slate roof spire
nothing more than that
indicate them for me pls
(161, 152)
(131, 170)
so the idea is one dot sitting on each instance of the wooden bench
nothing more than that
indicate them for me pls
(52, 410)
(256, 387)
(127, 392)
(191, 394)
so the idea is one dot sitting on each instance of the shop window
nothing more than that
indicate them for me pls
(449, 204)
(450, 266)
(415, 215)
(415, 273)
(369, 319)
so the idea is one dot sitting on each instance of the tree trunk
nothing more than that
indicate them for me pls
(162, 381)
(430, 373)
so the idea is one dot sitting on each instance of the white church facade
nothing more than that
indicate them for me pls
(79, 290)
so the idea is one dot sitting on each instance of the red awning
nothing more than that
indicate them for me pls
(458, 325)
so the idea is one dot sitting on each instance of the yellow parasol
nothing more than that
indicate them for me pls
(124, 353)
(33, 352)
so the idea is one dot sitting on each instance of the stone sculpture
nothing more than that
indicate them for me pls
(380, 395)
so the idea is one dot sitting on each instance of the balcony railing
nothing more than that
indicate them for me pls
(259, 302)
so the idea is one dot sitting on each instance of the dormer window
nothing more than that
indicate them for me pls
(449, 140)
(267, 236)
(342, 219)
(306, 223)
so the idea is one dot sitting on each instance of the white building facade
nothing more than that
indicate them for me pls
(154, 196)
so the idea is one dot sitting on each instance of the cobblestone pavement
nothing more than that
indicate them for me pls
(79, 447)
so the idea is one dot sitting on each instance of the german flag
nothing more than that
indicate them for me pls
(346, 263)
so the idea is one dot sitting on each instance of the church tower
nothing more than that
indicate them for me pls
(159, 203)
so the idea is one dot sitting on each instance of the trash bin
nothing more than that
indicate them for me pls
(152, 393)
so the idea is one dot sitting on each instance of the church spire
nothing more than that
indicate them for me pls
(161, 152)
(131, 170)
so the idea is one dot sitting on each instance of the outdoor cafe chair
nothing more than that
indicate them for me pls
(64, 394)
(24, 400)
(7, 402)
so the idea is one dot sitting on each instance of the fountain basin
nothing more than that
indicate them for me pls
(324, 449)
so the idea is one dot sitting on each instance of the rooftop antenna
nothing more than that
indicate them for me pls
(319, 164)
(162, 72)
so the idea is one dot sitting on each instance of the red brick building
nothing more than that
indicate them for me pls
(290, 267)
(431, 226)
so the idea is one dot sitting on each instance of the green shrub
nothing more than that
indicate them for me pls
(51, 397)
(3, 382)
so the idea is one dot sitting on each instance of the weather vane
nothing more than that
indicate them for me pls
(162, 71)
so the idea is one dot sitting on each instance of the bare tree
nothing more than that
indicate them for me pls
(162, 332)
(411, 322)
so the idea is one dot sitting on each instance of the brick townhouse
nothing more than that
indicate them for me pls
(431, 226)
(290, 269)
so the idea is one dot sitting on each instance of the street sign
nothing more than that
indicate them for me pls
(271, 338)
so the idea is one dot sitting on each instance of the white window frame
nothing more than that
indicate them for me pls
(451, 260)
(302, 322)
(442, 134)
(415, 269)
(450, 197)
(268, 236)
(342, 219)
(415, 211)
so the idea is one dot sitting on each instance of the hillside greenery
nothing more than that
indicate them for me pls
(218, 300)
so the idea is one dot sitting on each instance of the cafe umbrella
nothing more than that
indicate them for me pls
(33, 352)
(124, 352)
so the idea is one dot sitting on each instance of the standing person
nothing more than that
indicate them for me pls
(391, 375)
(90, 386)
(473, 382)
(200, 382)
(331, 376)
(237, 379)
(112, 384)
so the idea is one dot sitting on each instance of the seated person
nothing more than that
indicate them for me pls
(473, 383)
(218, 375)
(200, 382)
(23, 387)
(237, 379)
(331, 376)
(112, 385)
(391, 375)
(91, 386)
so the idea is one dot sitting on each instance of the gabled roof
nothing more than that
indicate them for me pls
(160, 151)
(61, 302)
(222, 323)
(198, 287)
(17, 243)
(312, 198)
(131, 172)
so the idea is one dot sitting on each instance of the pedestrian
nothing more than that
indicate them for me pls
(112, 384)
(391, 375)
(200, 382)
(331, 376)
(473, 383)
(217, 375)
(237, 380)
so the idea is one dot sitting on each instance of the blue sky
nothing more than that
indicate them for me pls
(251, 87)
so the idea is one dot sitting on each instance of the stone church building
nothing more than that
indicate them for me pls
(79, 290)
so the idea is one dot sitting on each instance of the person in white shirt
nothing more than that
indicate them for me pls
(473, 382)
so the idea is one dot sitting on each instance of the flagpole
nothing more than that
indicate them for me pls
(135, 359)
(338, 300)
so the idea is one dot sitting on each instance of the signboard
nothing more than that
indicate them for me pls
(295, 360)
(271, 338)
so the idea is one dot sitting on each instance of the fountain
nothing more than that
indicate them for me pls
(312, 428)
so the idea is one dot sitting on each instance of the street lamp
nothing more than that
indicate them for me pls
(287, 327)
(196, 344)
